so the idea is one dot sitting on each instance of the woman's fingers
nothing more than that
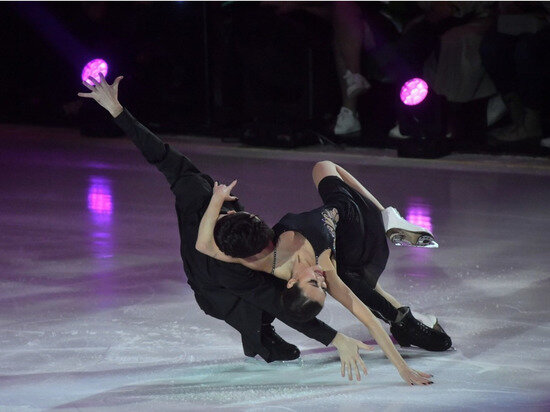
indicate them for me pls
(413, 377)
(423, 374)
(418, 378)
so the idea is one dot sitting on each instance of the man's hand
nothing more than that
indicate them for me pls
(348, 349)
(223, 192)
(104, 93)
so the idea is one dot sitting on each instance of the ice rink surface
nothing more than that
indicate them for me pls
(96, 314)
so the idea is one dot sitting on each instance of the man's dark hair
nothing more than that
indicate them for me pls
(242, 235)
(297, 306)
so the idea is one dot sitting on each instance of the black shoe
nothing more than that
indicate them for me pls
(279, 349)
(409, 331)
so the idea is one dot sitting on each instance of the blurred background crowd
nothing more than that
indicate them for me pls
(289, 74)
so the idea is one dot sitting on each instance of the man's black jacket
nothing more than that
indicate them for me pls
(226, 291)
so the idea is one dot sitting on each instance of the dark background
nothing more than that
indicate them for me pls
(189, 66)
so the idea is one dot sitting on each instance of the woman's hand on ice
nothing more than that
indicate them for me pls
(223, 192)
(104, 93)
(348, 349)
(413, 377)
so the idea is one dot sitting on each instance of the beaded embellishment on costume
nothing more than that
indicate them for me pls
(330, 220)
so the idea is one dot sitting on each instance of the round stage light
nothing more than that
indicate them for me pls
(414, 91)
(93, 68)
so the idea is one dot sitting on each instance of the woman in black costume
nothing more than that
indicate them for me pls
(302, 250)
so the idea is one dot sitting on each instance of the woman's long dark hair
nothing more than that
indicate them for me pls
(297, 306)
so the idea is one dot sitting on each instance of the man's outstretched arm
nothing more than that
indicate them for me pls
(169, 161)
(106, 95)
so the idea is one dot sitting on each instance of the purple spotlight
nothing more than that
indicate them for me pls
(414, 91)
(93, 68)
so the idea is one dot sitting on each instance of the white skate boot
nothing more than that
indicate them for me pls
(403, 233)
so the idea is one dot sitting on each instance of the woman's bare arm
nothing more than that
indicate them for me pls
(343, 294)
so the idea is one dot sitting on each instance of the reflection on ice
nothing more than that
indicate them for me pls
(100, 200)
(418, 212)
(100, 204)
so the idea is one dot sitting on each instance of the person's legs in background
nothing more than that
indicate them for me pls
(519, 65)
(402, 60)
(350, 34)
(532, 58)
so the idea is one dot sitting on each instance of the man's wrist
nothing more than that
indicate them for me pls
(337, 339)
(116, 110)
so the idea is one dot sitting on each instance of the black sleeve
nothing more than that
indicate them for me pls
(152, 147)
(190, 186)
(264, 291)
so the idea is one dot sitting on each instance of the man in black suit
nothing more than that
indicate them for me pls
(246, 300)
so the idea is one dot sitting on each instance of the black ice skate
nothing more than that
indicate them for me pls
(279, 349)
(409, 331)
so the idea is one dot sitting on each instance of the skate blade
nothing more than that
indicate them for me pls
(259, 362)
(401, 237)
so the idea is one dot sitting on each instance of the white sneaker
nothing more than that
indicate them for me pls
(356, 84)
(347, 122)
(403, 233)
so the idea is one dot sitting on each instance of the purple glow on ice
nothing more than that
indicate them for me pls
(420, 215)
(100, 201)
(414, 91)
(100, 206)
(93, 68)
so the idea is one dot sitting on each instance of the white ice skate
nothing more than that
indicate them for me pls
(428, 320)
(403, 233)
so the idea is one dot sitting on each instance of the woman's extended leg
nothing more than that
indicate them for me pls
(395, 303)
(399, 230)
(328, 168)
(360, 273)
